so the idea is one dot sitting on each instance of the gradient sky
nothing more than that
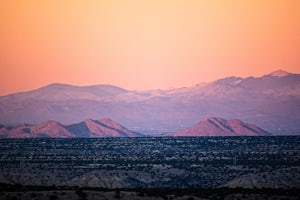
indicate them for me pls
(144, 44)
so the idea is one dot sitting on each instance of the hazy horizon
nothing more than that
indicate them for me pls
(144, 44)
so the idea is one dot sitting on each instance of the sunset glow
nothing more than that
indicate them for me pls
(144, 44)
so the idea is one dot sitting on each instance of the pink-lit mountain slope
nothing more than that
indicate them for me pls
(270, 101)
(213, 126)
(49, 128)
(53, 129)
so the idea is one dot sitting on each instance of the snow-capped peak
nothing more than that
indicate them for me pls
(279, 73)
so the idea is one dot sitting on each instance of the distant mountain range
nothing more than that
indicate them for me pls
(108, 128)
(271, 102)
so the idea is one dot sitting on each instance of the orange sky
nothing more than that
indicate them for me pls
(144, 44)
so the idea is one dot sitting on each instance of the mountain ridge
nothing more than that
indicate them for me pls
(105, 127)
(53, 129)
(269, 101)
(216, 126)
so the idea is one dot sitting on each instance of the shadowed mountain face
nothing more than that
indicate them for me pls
(53, 129)
(220, 127)
(100, 128)
(271, 102)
